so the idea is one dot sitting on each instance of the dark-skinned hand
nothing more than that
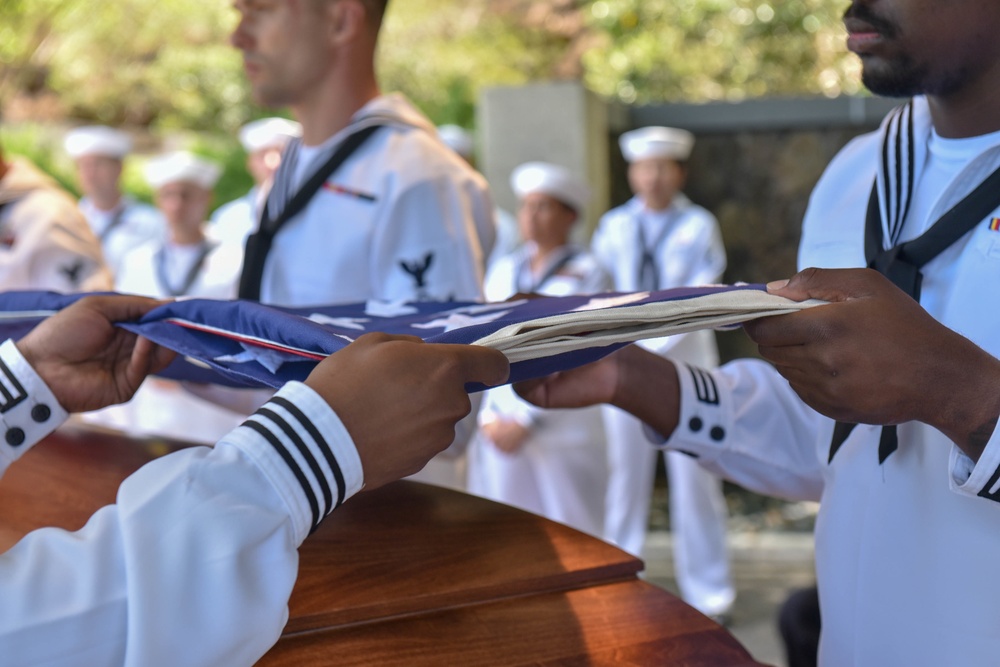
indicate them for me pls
(400, 397)
(875, 356)
(632, 379)
(86, 360)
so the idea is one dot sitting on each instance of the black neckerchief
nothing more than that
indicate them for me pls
(116, 221)
(274, 217)
(901, 262)
(534, 285)
(648, 278)
(160, 260)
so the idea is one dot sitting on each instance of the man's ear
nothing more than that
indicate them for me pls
(348, 20)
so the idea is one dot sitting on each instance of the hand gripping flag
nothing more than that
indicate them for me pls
(243, 343)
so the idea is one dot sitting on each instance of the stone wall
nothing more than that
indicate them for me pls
(758, 184)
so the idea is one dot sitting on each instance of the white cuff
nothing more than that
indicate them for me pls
(28, 409)
(303, 448)
(705, 420)
(980, 478)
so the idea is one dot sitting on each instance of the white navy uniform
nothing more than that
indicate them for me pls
(130, 225)
(906, 550)
(194, 563)
(45, 244)
(167, 270)
(163, 407)
(400, 220)
(403, 219)
(684, 247)
(234, 221)
(561, 470)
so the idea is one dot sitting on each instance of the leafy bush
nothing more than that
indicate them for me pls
(168, 63)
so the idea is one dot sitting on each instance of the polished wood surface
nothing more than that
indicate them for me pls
(414, 574)
(411, 547)
(625, 623)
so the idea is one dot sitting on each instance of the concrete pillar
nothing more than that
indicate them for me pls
(562, 123)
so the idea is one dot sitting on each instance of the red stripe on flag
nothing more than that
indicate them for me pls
(257, 342)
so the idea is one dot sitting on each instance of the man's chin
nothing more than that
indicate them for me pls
(265, 98)
(888, 83)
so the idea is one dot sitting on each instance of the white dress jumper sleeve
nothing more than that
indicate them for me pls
(195, 562)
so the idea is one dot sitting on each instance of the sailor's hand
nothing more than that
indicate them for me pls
(86, 361)
(633, 379)
(875, 356)
(400, 398)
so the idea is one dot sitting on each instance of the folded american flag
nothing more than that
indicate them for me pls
(242, 343)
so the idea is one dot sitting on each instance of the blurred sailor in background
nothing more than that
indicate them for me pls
(660, 240)
(186, 264)
(263, 140)
(551, 462)
(45, 243)
(120, 223)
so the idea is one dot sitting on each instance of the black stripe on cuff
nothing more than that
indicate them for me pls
(289, 460)
(306, 454)
(10, 400)
(338, 475)
(704, 386)
(985, 492)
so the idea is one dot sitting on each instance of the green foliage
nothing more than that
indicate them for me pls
(132, 63)
(136, 62)
(695, 50)
(27, 36)
(441, 53)
(43, 148)
(167, 64)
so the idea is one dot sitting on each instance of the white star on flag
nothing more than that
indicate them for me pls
(356, 323)
(460, 321)
(375, 308)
